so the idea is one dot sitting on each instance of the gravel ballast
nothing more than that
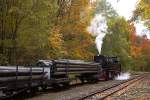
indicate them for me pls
(140, 91)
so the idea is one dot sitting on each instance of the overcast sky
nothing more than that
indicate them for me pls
(124, 7)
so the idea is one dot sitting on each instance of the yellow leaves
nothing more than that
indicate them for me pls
(132, 28)
(143, 10)
(145, 7)
(56, 43)
(55, 39)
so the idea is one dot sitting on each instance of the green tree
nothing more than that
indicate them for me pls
(105, 9)
(35, 29)
(25, 26)
(117, 41)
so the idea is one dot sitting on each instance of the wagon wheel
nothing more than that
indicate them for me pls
(55, 86)
(44, 87)
(8, 92)
(66, 84)
(82, 80)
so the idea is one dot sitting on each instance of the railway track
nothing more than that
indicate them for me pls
(13, 96)
(99, 94)
(109, 91)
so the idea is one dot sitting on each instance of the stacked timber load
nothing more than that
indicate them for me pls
(19, 73)
(74, 67)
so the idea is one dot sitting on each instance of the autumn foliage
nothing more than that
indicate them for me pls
(140, 50)
(57, 29)
(44, 29)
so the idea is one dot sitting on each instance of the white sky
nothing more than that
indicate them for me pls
(125, 8)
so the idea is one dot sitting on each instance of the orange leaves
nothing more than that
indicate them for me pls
(69, 38)
(138, 44)
(135, 51)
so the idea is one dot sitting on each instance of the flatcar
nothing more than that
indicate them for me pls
(62, 72)
(17, 78)
(56, 73)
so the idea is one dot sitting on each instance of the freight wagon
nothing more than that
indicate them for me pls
(56, 73)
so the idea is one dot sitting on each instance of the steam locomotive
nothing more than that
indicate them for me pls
(56, 73)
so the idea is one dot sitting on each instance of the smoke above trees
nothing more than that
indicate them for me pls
(98, 28)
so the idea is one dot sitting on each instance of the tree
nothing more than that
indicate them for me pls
(105, 9)
(142, 12)
(35, 29)
(24, 27)
(56, 45)
(73, 18)
(141, 60)
(44, 29)
(117, 41)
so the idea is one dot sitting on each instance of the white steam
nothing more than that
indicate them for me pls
(98, 28)
(123, 76)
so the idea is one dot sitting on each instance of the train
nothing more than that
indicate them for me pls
(57, 73)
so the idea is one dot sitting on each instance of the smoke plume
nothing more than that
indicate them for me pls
(98, 28)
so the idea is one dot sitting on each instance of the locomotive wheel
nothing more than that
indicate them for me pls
(105, 75)
(106, 78)
(65, 84)
(89, 80)
(55, 86)
(93, 81)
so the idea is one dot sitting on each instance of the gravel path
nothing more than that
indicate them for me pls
(140, 91)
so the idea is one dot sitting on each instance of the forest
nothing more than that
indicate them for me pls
(57, 29)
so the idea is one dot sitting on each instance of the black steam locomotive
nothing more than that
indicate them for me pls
(57, 73)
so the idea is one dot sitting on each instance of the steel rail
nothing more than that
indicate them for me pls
(109, 88)
(104, 97)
